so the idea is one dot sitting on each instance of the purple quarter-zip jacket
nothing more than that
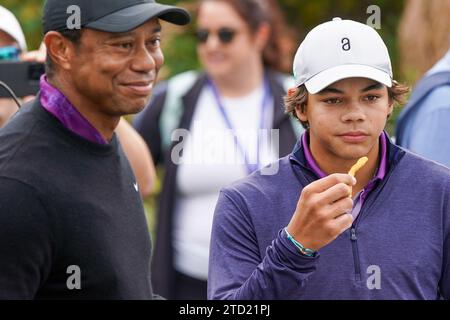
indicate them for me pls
(397, 248)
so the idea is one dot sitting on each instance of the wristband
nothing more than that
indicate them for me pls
(304, 251)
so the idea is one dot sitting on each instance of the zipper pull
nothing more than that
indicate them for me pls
(353, 235)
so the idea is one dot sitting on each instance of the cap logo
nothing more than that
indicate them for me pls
(346, 44)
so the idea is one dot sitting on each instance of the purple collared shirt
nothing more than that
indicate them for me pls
(362, 195)
(59, 106)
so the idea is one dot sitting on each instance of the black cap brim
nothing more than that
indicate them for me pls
(132, 17)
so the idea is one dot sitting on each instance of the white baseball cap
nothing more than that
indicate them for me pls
(341, 49)
(10, 25)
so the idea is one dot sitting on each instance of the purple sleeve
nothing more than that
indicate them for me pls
(444, 284)
(236, 268)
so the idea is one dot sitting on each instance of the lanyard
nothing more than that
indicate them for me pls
(227, 120)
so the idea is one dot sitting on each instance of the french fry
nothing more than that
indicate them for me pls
(358, 165)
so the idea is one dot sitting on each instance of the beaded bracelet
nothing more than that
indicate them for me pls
(305, 251)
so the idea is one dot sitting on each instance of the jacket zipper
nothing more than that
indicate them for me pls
(353, 235)
(354, 239)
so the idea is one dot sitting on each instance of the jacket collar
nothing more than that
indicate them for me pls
(297, 157)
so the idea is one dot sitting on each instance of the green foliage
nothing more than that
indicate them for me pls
(180, 51)
(29, 14)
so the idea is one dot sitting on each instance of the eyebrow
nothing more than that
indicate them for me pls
(330, 90)
(117, 35)
(374, 86)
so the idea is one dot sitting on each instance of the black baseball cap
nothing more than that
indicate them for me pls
(110, 15)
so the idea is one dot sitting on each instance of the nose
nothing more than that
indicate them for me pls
(213, 41)
(353, 112)
(147, 61)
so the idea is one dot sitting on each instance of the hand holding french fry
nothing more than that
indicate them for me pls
(320, 216)
(321, 212)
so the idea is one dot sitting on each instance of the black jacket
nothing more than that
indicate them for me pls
(72, 224)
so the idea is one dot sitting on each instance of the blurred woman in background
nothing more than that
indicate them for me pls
(243, 45)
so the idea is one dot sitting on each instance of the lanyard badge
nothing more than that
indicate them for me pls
(266, 98)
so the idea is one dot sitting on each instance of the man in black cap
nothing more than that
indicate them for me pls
(72, 224)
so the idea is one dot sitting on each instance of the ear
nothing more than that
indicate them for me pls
(262, 35)
(301, 114)
(391, 106)
(60, 49)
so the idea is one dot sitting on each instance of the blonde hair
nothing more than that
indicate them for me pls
(423, 35)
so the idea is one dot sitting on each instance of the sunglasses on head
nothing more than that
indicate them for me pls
(9, 53)
(225, 35)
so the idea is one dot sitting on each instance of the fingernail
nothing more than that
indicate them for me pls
(354, 180)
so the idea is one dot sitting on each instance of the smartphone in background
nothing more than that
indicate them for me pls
(21, 76)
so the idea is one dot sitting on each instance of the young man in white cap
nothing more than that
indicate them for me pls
(72, 223)
(312, 231)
